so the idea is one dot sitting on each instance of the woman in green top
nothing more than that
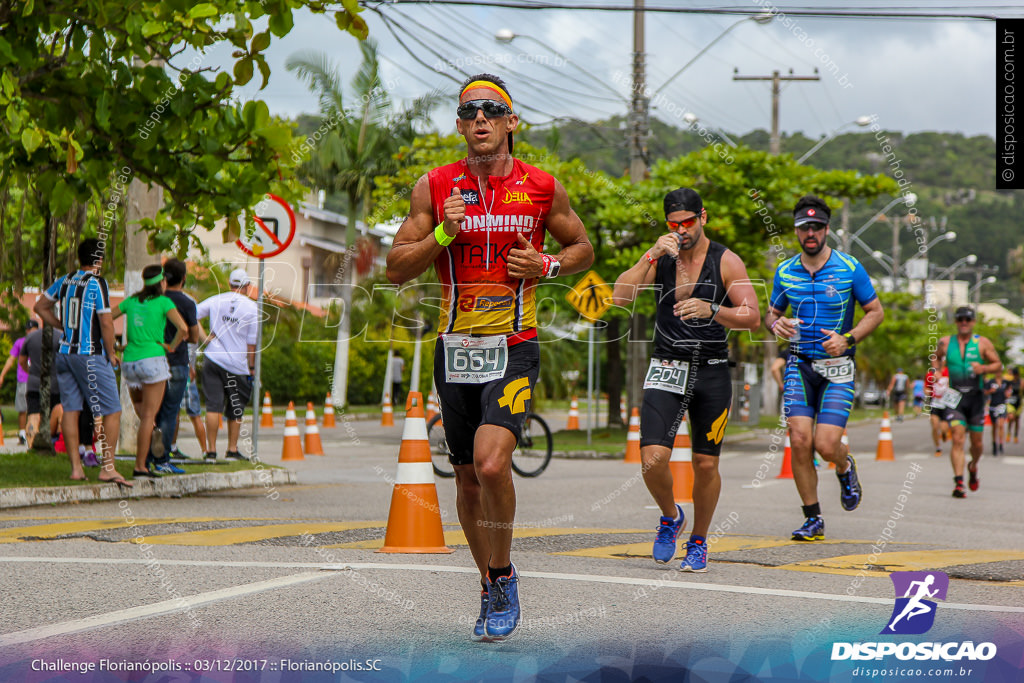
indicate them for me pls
(144, 365)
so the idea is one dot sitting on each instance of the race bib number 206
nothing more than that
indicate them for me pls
(474, 360)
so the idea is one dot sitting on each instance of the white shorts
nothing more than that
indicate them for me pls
(145, 371)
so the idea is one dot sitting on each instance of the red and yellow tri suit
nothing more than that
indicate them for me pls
(479, 296)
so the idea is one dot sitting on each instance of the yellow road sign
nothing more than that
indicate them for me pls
(591, 296)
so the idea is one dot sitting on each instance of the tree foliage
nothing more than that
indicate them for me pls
(94, 91)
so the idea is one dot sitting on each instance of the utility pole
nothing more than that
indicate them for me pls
(640, 107)
(775, 143)
(896, 224)
(636, 347)
(768, 394)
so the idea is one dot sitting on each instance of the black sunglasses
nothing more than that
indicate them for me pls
(492, 109)
(965, 320)
(812, 227)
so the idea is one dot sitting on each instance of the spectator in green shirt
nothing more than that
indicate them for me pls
(144, 365)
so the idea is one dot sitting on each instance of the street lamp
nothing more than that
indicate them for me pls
(691, 119)
(859, 121)
(763, 18)
(969, 260)
(506, 36)
(945, 237)
(975, 290)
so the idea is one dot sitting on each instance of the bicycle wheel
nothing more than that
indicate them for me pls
(439, 448)
(533, 454)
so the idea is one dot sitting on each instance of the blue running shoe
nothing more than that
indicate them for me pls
(168, 468)
(812, 530)
(665, 540)
(849, 486)
(503, 613)
(696, 557)
(478, 629)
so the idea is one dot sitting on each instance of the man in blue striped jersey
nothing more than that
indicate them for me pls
(820, 286)
(79, 303)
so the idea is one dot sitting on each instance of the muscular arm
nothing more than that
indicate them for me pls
(107, 332)
(745, 315)
(874, 314)
(629, 283)
(565, 226)
(415, 246)
(988, 352)
(44, 308)
(577, 253)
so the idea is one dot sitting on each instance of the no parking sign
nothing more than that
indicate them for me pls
(272, 231)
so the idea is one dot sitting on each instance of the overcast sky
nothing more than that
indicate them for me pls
(914, 75)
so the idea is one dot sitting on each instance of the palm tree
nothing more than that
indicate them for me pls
(359, 142)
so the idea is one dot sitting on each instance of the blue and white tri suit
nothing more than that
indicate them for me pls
(824, 299)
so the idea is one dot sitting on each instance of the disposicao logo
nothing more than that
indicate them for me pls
(914, 614)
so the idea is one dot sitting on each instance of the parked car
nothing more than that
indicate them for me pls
(872, 395)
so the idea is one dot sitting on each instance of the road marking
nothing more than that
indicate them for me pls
(676, 581)
(723, 544)
(15, 534)
(917, 560)
(1012, 461)
(249, 534)
(155, 609)
(457, 537)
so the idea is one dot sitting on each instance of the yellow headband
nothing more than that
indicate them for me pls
(490, 86)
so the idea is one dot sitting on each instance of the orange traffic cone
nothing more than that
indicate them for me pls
(574, 415)
(884, 451)
(329, 412)
(745, 404)
(680, 464)
(414, 521)
(787, 461)
(633, 438)
(313, 443)
(988, 420)
(267, 416)
(387, 416)
(292, 448)
(622, 407)
(432, 407)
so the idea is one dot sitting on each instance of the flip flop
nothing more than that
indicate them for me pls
(119, 482)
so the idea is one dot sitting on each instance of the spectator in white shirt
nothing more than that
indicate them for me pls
(230, 361)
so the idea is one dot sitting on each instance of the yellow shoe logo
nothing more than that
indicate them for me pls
(517, 393)
(718, 427)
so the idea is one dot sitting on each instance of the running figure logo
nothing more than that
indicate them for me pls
(913, 613)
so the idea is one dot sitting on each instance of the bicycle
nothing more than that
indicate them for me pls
(531, 456)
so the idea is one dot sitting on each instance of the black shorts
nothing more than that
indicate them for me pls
(970, 411)
(898, 396)
(708, 399)
(32, 399)
(465, 407)
(223, 388)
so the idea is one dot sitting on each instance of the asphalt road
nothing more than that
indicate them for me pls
(285, 580)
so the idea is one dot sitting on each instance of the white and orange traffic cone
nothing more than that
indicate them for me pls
(786, 471)
(574, 415)
(633, 438)
(329, 412)
(622, 408)
(680, 464)
(414, 520)
(267, 415)
(292, 448)
(884, 451)
(745, 404)
(432, 407)
(387, 415)
(313, 444)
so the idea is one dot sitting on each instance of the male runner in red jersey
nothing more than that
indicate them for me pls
(481, 222)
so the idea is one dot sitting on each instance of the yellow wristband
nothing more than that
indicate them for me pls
(442, 237)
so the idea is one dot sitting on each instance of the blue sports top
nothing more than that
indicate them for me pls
(823, 299)
(80, 298)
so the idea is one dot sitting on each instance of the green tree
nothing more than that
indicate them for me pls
(353, 144)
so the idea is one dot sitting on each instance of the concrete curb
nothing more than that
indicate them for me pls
(164, 487)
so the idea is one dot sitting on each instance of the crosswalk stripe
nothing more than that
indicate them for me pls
(917, 560)
(15, 534)
(232, 536)
(457, 537)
